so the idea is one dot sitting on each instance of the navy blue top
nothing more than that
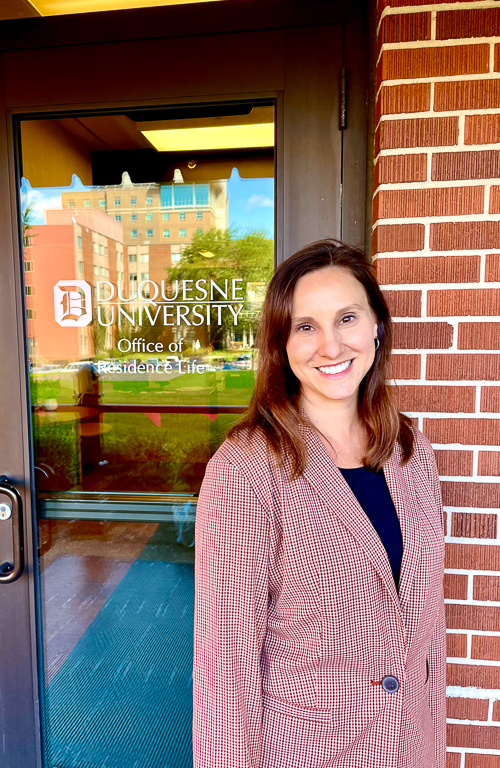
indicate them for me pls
(372, 493)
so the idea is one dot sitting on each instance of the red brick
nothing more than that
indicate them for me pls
(465, 235)
(463, 368)
(472, 674)
(496, 60)
(477, 557)
(481, 761)
(398, 237)
(428, 399)
(484, 164)
(404, 27)
(404, 367)
(482, 129)
(444, 201)
(466, 525)
(455, 586)
(460, 708)
(479, 335)
(485, 495)
(428, 269)
(454, 463)
(463, 432)
(496, 716)
(494, 206)
(466, 94)
(490, 399)
(453, 759)
(489, 463)
(398, 169)
(456, 645)
(409, 63)
(485, 618)
(402, 99)
(422, 335)
(486, 647)
(492, 268)
(488, 588)
(461, 24)
(404, 303)
(463, 301)
(472, 736)
(417, 132)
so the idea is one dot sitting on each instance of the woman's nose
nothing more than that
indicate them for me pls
(330, 345)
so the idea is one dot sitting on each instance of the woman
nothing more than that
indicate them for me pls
(319, 610)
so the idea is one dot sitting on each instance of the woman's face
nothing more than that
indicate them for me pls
(332, 339)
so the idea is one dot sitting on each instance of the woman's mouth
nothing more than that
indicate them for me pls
(335, 370)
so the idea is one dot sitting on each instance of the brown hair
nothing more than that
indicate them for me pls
(274, 406)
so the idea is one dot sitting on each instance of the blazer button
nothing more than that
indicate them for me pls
(390, 684)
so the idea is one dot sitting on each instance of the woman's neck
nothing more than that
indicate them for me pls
(340, 429)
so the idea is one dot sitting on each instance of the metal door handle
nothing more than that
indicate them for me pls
(13, 511)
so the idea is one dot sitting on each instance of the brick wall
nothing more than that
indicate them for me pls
(436, 245)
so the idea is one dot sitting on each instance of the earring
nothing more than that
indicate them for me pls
(377, 343)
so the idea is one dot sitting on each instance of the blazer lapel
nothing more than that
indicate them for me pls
(329, 483)
(403, 496)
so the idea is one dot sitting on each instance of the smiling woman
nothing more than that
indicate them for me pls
(319, 532)
(331, 352)
(324, 308)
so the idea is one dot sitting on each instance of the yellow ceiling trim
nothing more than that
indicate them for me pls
(213, 137)
(17, 9)
(64, 7)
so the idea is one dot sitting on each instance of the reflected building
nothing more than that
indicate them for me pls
(125, 234)
(158, 220)
(79, 245)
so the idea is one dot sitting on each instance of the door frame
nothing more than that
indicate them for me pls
(20, 601)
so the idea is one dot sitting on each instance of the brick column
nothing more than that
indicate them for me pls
(436, 246)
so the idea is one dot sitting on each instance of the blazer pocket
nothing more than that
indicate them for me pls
(427, 669)
(293, 710)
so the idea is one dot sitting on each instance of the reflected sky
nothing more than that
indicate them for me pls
(251, 201)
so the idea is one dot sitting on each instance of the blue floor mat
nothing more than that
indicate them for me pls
(123, 697)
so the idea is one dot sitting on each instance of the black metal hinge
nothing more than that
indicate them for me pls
(343, 99)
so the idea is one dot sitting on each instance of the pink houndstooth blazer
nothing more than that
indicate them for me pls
(298, 620)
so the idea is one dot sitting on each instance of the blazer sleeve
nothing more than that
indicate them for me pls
(230, 616)
(437, 652)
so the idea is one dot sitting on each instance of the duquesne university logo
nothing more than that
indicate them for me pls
(73, 303)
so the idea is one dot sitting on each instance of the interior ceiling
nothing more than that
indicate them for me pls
(23, 9)
(203, 141)
(119, 132)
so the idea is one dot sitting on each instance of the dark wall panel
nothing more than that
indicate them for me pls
(145, 69)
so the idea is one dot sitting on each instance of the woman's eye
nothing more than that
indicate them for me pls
(304, 327)
(348, 318)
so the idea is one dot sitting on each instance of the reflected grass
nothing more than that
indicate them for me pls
(211, 388)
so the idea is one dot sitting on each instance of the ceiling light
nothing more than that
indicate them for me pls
(63, 7)
(213, 137)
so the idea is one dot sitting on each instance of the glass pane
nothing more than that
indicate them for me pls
(141, 342)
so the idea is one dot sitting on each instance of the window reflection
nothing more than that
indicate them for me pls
(135, 344)
(142, 306)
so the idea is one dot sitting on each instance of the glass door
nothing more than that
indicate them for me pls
(148, 242)
(154, 167)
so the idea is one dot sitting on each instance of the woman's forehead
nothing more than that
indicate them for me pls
(332, 283)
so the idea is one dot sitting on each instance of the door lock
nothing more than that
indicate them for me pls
(5, 511)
